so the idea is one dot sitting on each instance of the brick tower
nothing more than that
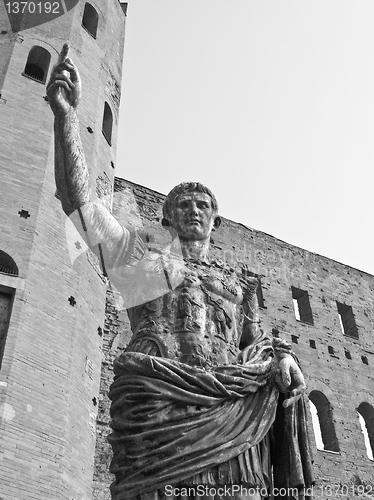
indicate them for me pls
(52, 294)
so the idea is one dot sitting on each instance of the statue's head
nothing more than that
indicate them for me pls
(191, 210)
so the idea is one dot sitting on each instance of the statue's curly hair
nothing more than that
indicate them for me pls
(185, 187)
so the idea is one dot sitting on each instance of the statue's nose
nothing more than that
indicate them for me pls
(193, 209)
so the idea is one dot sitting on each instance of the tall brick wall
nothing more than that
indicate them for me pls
(50, 372)
(345, 382)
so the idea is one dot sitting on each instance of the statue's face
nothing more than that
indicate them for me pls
(193, 216)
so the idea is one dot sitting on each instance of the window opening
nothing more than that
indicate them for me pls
(7, 264)
(90, 19)
(323, 425)
(366, 416)
(347, 354)
(303, 311)
(6, 300)
(37, 64)
(107, 123)
(347, 320)
(364, 359)
(312, 344)
(316, 426)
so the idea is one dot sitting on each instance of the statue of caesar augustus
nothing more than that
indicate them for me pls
(195, 399)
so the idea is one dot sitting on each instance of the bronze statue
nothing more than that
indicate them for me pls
(195, 400)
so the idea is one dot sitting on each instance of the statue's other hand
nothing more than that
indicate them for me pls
(64, 86)
(290, 379)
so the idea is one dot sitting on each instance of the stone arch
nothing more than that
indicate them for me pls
(37, 64)
(318, 385)
(366, 410)
(363, 403)
(18, 258)
(326, 424)
(8, 264)
(362, 397)
(8, 272)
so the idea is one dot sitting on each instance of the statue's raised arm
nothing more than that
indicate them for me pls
(89, 215)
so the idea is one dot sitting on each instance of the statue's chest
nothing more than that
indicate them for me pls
(204, 279)
(199, 318)
(168, 272)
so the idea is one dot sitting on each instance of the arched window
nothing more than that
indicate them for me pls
(6, 301)
(7, 264)
(37, 64)
(108, 123)
(323, 425)
(90, 19)
(366, 415)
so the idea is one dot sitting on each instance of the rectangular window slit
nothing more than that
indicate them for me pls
(347, 320)
(301, 303)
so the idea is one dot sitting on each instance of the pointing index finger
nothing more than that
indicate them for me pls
(64, 53)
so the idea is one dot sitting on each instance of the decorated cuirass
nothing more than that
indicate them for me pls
(197, 320)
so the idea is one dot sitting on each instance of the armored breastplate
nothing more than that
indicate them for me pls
(198, 321)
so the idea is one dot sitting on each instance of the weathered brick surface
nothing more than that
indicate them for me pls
(346, 383)
(50, 374)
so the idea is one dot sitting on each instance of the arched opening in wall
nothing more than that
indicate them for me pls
(107, 123)
(366, 416)
(6, 302)
(37, 64)
(323, 424)
(7, 264)
(90, 19)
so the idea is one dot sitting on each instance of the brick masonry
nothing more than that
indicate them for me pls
(50, 372)
(345, 382)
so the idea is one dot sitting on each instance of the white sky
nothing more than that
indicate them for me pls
(270, 103)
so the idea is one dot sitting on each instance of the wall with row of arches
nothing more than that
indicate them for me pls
(325, 434)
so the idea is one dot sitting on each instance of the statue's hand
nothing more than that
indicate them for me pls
(290, 379)
(64, 86)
